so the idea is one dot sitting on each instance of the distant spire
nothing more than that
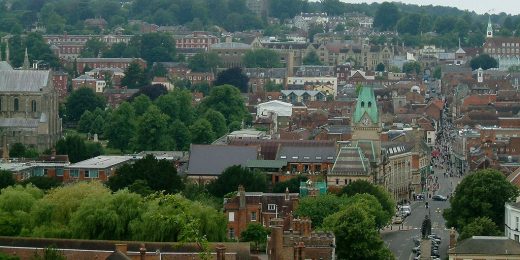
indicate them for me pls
(489, 33)
(7, 52)
(459, 42)
(26, 61)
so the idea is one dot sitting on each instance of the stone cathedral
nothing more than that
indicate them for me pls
(28, 107)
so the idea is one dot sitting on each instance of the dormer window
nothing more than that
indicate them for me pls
(362, 103)
(369, 104)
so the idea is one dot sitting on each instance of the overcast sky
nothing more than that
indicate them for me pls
(479, 6)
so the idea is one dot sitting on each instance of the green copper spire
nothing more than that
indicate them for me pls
(366, 103)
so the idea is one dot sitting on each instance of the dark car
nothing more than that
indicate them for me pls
(439, 198)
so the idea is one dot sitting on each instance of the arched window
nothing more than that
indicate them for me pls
(362, 104)
(16, 104)
(33, 106)
(369, 104)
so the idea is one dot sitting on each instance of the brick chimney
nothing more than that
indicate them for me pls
(276, 243)
(242, 196)
(123, 248)
(221, 252)
(299, 251)
(142, 252)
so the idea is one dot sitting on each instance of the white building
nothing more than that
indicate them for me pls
(277, 107)
(512, 221)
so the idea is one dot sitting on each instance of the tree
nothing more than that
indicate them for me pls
(42, 182)
(49, 253)
(312, 59)
(6, 179)
(372, 207)
(157, 47)
(408, 24)
(386, 16)
(77, 149)
(217, 121)
(134, 76)
(234, 77)
(481, 194)
(121, 126)
(152, 131)
(93, 48)
(481, 226)
(159, 175)
(483, 61)
(234, 176)
(255, 233)
(384, 198)
(356, 235)
(227, 100)
(262, 58)
(293, 185)
(380, 67)
(85, 122)
(437, 73)
(8, 257)
(151, 91)
(81, 100)
(17, 150)
(141, 104)
(204, 62)
(201, 132)
(271, 86)
(319, 207)
(412, 67)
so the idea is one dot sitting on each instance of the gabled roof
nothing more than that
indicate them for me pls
(212, 160)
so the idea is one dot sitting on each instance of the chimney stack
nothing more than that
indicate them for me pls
(242, 195)
(299, 251)
(123, 248)
(221, 252)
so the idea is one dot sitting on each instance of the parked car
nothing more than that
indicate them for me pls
(439, 198)
(416, 249)
(397, 220)
(406, 210)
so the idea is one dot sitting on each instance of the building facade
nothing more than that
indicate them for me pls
(29, 108)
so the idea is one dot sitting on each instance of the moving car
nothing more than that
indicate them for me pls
(406, 210)
(439, 198)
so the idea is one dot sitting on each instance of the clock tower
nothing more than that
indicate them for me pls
(366, 125)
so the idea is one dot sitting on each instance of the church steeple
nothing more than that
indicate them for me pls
(26, 61)
(489, 29)
(366, 107)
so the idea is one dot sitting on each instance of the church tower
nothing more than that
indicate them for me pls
(366, 125)
(489, 33)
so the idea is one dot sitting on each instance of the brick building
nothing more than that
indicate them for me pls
(94, 63)
(60, 82)
(256, 207)
(198, 40)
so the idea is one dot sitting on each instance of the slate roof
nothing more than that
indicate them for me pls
(230, 45)
(350, 161)
(5, 66)
(487, 245)
(23, 80)
(325, 153)
(214, 159)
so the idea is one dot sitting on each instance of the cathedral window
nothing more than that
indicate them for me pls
(16, 104)
(33, 106)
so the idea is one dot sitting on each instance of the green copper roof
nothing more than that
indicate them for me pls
(366, 103)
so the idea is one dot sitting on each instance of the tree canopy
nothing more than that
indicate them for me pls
(229, 180)
(481, 194)
(234, 77)
(481, 226)
(81, 100)
(77, 149)
(158, 175)
(312, 59)
(204, 62)
(483, 61)
(134, 76)
(386, 16)
(262, 58)
(227, 100)
(254, 232)
(319, 207)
